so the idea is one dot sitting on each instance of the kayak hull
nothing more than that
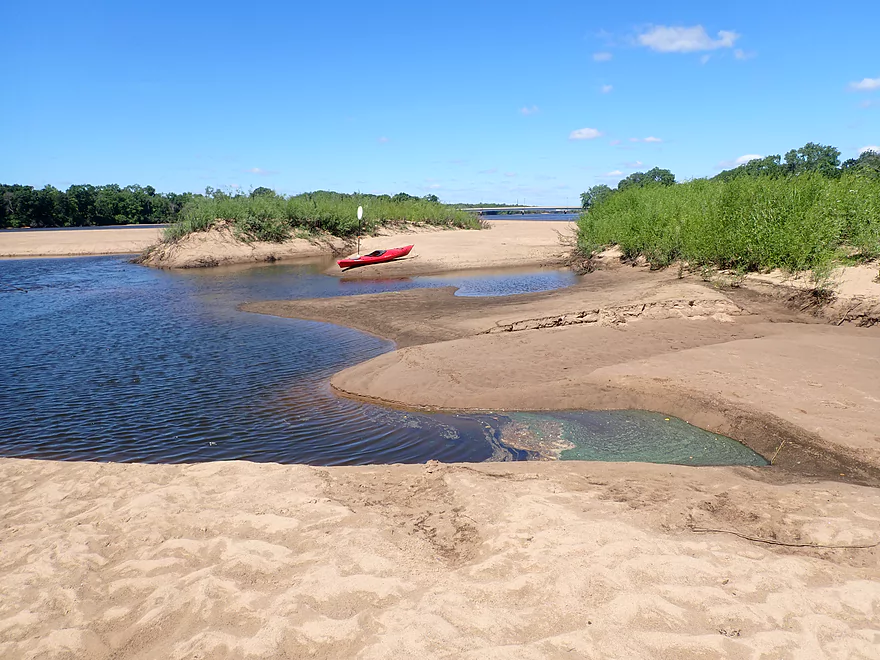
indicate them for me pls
(372, 258)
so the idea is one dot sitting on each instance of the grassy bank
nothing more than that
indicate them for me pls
(796, 223)
(270, 217)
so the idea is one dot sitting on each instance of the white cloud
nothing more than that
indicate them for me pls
(742, 160)
(510, 174)
(652, 139)
(614, 143)
(740, 54)
(867, 103)
(613, 173)
(870, 147)
(492, 170)
(260, 171)
(602, 57)
(705, 59)
(585, 134)
(383, 140)
(434, 186)
(665, 39)
(865, 85)
(607, 88)
(530, 110)
(633, 165)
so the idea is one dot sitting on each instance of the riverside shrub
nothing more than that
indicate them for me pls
(748, 223)
(270, 217)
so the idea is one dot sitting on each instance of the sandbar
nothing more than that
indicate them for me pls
(496, 560)
(78, 242)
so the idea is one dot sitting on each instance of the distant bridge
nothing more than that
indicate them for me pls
(524, 209)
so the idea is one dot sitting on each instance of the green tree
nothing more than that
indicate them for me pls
(595, 195)
(867, 164)
(651, 177)
(81, 205)
(47, 209)
(813, 157)
(262, 191)
(769, 166)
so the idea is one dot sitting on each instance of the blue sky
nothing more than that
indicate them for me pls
(475, 101)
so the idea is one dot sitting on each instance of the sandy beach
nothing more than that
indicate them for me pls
(498, 560)
(78, 242)
(506, 243)
(550, 560)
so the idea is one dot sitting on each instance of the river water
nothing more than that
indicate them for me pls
(105, 360)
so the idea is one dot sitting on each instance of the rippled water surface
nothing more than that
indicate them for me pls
(105, 360)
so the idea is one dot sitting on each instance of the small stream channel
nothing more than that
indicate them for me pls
(108, 361)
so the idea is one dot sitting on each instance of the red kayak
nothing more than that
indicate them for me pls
(377, 257)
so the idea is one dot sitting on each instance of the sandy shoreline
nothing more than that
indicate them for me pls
(504, 560)
(506, 243)
(77, 242)
(736, 362)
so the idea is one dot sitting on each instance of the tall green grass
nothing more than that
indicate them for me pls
(749, 223)
(275, 217)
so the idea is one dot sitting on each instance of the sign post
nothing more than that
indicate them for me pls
(360, 215)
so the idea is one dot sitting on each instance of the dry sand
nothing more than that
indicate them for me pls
(77, 242)
(506, 243)
(541, 560)
(550, 560)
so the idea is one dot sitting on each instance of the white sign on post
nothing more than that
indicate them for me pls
(360, 215)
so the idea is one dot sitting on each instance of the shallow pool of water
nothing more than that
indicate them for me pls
(502, 284)
(623, 435)
(106, 360)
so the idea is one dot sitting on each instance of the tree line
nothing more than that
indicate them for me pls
(812, 157)
(87, 205)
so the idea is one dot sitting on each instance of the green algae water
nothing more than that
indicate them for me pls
(623, 435)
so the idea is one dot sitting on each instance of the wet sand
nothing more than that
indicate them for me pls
(736, 362)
